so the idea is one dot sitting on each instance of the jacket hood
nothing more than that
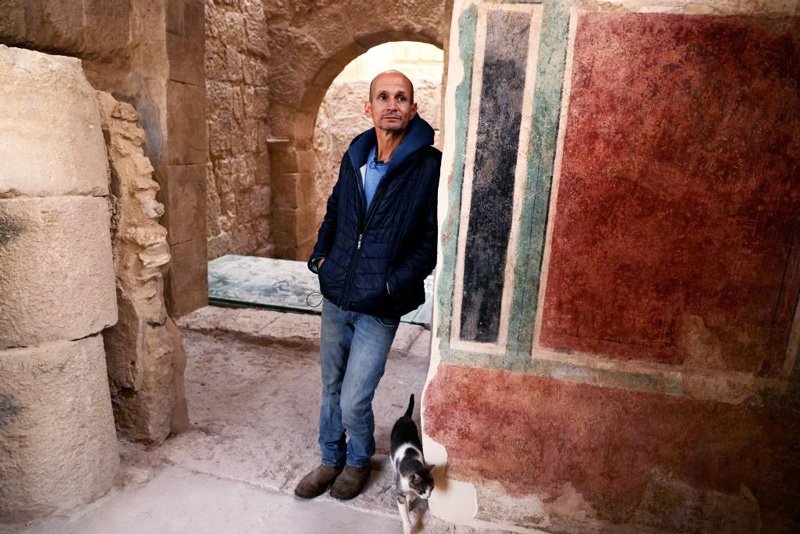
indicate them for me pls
(418, 134)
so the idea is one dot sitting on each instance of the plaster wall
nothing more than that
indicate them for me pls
(56, 289)
(633, 363)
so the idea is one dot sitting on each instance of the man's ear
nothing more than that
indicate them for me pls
(368, 110)
(413, 110)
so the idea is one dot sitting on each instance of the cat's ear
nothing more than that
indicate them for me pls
(415, 478)
(430, 468)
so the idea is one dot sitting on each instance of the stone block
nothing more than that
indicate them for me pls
(107, 30)
(146, 376)
(185, 194)
(50, 137)
(256, 27)
(232, 32)
(283, 157)
(219, 138)
(234, 59)
(12, 21)
(175, 16)
(56, 427)
(261, 171)
(256, 72)
(186, 49)
(50, 25)
(260, 198)
(212, 203)
(281, 119)
(56, 271)
(257, 102)
(187, 287)
(286, 190)
(186, 133)
(306, 162)
(215, 62)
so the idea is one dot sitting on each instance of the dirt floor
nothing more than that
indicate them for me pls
(253, 387)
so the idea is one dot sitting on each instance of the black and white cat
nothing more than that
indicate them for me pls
(412, 477)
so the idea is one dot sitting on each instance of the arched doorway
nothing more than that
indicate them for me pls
(293, 118)
(341, 113)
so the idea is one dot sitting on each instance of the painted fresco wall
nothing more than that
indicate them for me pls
(617, 325)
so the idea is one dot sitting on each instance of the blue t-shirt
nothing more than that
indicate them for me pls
(372, 175)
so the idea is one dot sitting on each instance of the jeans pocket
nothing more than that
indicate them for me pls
(388, 322)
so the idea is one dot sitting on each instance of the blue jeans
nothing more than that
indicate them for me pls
(353, 352)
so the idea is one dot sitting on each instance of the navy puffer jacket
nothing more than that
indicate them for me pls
(376, 260)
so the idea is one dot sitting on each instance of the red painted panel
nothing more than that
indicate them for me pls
(678, 214)
(532, 435)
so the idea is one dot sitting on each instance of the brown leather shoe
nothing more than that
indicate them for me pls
(316, 482)
(350, 482)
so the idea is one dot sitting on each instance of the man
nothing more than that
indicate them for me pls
(376, 245)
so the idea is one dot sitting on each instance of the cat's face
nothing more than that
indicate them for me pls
(422, 482)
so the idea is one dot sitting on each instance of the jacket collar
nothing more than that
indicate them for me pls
(418, 134)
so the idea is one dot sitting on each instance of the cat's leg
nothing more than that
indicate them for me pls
(402, 507)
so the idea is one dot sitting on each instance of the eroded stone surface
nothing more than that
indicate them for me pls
(145, 352)
(56, 428)
(50, 141)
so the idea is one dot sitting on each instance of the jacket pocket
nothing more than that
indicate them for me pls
(388, 322)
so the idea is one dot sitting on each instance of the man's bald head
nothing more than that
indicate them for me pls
(389, 73)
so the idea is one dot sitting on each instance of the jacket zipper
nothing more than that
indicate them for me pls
(351, 271)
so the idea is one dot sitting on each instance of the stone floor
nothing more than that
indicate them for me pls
(252, 383)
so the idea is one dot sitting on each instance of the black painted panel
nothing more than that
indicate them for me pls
(493, 178)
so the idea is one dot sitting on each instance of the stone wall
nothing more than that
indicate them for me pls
(163, 76)
(148, 53)
(56, 289)
(618, 325)
(238, 186)
(341, 117)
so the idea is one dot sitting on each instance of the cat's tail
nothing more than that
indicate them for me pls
(410, 409)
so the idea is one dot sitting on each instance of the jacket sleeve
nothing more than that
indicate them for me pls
(327, 229)
(421, 258)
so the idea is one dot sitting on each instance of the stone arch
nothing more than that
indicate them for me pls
(293, 116)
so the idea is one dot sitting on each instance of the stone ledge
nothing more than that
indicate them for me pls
(257, 325)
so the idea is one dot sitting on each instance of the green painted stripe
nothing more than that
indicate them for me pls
(541, 160)
(467, 27)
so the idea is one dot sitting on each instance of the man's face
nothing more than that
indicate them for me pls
(390, 106)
